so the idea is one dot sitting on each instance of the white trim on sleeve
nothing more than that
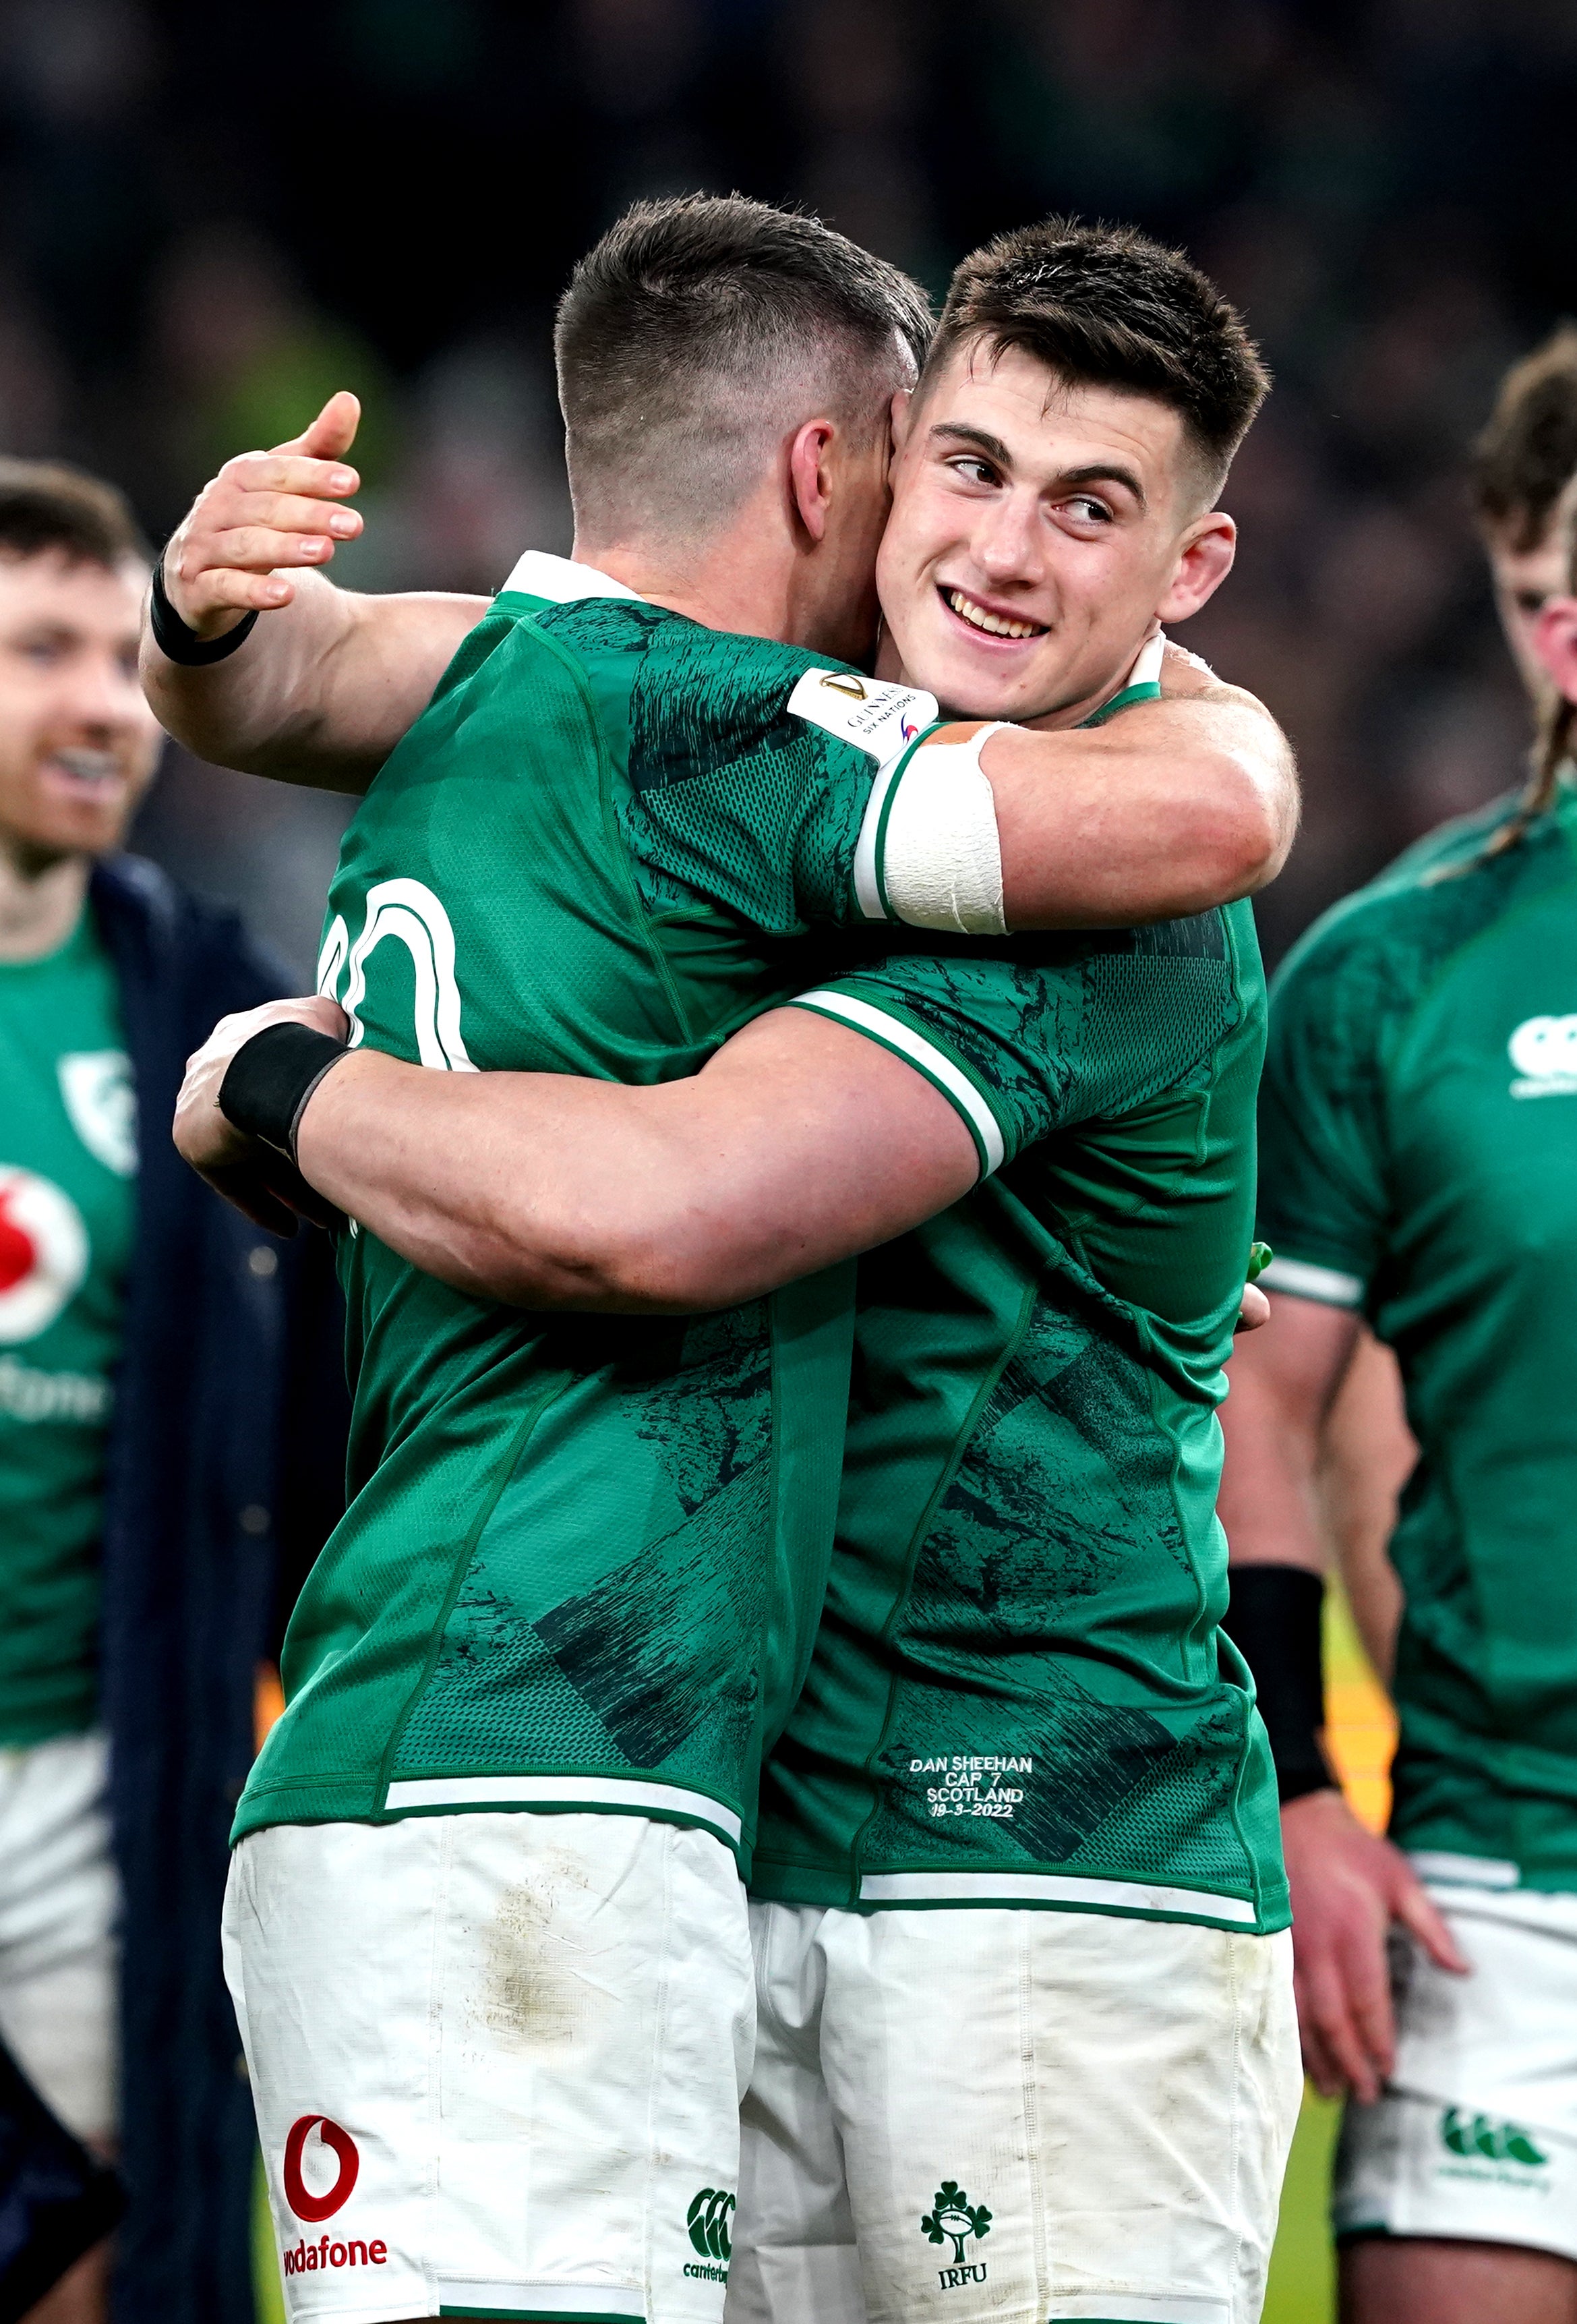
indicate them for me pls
(1304, 1280)
(934, 1063)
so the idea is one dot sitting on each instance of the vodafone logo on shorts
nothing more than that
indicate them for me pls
(323, 2205)
(322, 2166)
(43, 1253)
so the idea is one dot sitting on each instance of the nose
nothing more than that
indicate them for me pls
(1007, 542)
(101, 696)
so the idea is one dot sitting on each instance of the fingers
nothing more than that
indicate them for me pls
(333, 432)
(1329, 2028)
(246, 1190)
(1365, 1974)
(1254, 1311)
(1414, 1909)
(263, 514)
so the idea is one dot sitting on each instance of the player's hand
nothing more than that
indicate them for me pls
(263, 513)
(1254, 1311)
(259, 1182)
(1348, 1885)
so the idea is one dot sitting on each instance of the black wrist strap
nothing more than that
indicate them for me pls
(1274, 1623)
(177, 642)
(270, 1077)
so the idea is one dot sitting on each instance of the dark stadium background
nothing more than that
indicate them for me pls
(209, 216)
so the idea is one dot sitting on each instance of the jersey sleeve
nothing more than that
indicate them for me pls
(1042, 1032)
(1323, 1199)
(755, 782)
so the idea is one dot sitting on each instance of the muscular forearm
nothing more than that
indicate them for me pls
(321, 690)
(1170, 808)
(799, 1145)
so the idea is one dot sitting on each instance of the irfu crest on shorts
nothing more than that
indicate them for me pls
(954, 2220)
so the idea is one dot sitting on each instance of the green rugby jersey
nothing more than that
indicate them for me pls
(1419, 1141)
(68, 1161)
(584, 1554)
(1019, 1694)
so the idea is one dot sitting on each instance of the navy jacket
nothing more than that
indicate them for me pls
(226, 1466)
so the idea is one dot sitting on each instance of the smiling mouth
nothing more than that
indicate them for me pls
(980, 617)
(93, 770)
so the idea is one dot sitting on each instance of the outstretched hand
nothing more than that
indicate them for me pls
(263, 513)
(1348, 1886)
(259, 1183)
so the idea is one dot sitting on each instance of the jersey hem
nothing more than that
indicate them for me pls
(528, 1795)
(776, 1881)
(1304, 1279)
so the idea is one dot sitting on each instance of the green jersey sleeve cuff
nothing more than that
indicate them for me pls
(1303, 1279)
(943, 1070)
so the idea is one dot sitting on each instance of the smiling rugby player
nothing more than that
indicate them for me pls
(1049, 1348)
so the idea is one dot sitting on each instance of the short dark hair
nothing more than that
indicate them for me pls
(1103, 305)
(45, 506)
(1528, 449)
(693, 331)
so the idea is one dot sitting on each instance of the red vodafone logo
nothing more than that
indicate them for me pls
(341, 2145)
(43, 1253)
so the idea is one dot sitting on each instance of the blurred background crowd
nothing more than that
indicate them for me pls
(210, 218)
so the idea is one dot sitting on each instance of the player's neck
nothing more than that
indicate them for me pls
(742, 580)
(40, 900)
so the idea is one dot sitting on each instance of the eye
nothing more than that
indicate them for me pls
(973, 469)
(1085, 510)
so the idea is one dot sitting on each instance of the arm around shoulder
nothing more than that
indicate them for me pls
(1175, 807)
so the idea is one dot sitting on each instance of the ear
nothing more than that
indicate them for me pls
(900, 413)
(811, 473)
(1555, 640)
(1205, 559)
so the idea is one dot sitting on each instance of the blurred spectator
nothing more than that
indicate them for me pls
(171, 1435)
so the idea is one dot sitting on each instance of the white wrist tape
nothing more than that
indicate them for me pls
(941, 861)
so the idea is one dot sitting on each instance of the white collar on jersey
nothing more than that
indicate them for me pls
(561, 581)
(1146, 670)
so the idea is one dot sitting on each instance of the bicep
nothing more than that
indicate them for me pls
(376, 679)
(1170, 809)
(808, 1142)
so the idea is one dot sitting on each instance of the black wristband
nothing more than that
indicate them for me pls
(1274, 1623)
(270, 1077)
(177, 642)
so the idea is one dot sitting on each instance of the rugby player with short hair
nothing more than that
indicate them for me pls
(1049, 462)
(1418, 1145)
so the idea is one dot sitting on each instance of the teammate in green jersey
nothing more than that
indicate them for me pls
(1044, 1040)
(1419, 1149)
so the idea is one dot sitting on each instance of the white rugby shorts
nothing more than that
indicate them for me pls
(1022, 2116)
(1476, 2134)
(497, 2061)
(59, 1923)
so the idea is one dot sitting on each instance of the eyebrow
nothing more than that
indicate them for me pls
(1098, 472)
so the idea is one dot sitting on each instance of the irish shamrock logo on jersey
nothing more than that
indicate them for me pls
(43, 1253)
(954, 2220)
